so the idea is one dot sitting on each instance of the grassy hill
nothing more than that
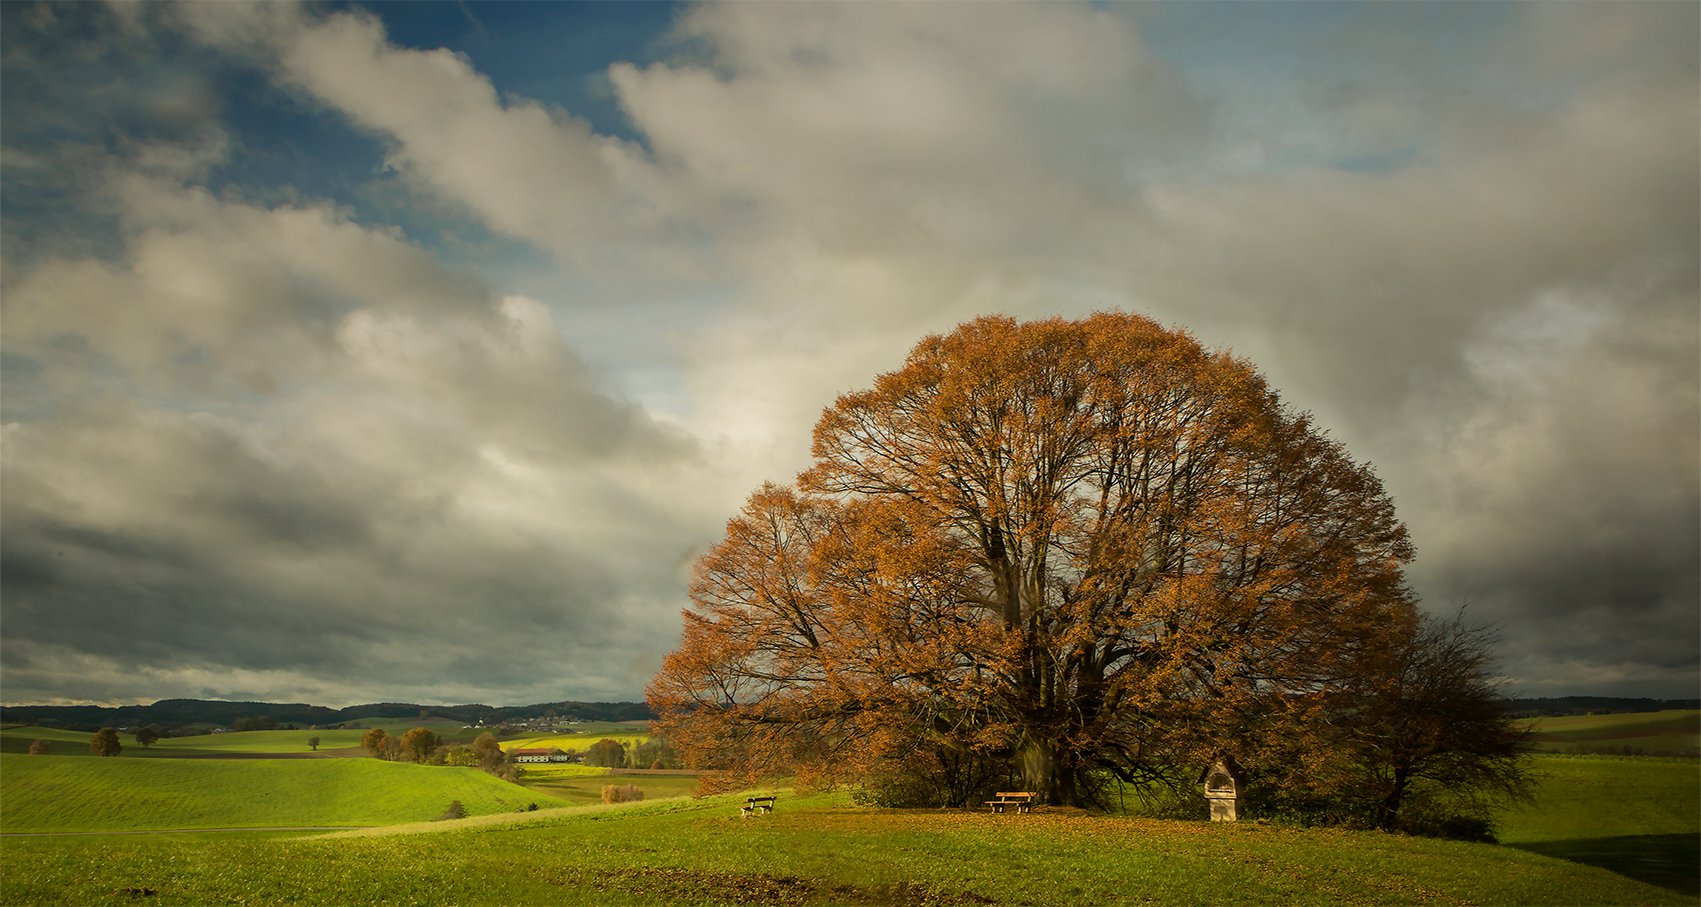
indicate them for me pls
(1638, 817)
(1669, 732)
(76, 743)
(1607, 796)
(61, 742)
(296, 741)
(60, 793)
(1635, 815)
(813, 850)
(630, 733)
(583, 784)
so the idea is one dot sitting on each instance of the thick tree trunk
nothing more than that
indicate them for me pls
(1039, 768)
(1388, 811)
(1051, 774)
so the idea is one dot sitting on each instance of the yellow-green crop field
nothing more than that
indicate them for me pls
(1671, 732)
(630, 733)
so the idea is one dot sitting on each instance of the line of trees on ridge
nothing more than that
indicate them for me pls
(425, 747)
(175, 714)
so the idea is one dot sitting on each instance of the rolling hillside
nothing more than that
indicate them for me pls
(54, 793)
(813, 850)
(1668, 732)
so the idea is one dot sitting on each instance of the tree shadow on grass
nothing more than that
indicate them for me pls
(1669, 861)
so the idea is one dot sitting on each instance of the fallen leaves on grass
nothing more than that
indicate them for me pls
(668, 885)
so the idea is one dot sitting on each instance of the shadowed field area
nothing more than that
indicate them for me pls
(1639, 816)
(1668, 861)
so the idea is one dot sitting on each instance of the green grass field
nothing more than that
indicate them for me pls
(1635, 815)
(813, 850)
(54, 793)
(16, 739)
(338, 741)
(1603, 830)
(583, 783)
(1654, 733)
(296, 741)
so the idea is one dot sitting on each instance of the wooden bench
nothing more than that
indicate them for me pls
(755, 806)
(1021, 799)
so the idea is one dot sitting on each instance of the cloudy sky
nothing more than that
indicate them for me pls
(413, 351)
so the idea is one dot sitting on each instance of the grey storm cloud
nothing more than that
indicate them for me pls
(264, 447)
(255, 443)
(159, 538)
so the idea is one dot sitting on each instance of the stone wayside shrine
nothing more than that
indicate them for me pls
(1224, 786)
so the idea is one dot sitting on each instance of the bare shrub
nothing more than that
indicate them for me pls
(621, 793)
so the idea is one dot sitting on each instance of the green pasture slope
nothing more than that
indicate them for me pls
(17, 739)
(1636, 815)
(815, 849)
(1670, 732)
(60, 793)
(583, 783)
(287, 742)
(76, 743)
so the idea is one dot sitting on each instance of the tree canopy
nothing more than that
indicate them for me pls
(606, 752)
(105, 742)
(374, 741)
(1052, 552)
(418, 743)
(1433, 724)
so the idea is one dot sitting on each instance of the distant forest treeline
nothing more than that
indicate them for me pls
(1599, 705)
(179, 712)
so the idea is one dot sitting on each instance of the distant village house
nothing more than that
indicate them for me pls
(540, 754)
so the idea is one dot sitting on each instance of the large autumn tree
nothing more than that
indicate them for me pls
(1043, 552)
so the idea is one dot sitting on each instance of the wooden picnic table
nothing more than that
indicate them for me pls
(1021, 799)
